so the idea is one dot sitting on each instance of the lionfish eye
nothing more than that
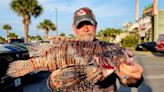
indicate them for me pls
(90, 62)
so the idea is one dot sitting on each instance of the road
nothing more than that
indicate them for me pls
(153, 73)
(153, 76)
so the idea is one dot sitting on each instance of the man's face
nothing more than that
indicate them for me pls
(85, 31)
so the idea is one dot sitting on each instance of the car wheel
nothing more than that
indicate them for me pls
(144, 49)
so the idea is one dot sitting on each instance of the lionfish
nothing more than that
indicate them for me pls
(71, 62)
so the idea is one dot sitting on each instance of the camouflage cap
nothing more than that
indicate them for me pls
(84, 14)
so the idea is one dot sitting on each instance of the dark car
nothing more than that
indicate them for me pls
(31, 77)
(146, 46)
(8, 54)
(160, 43)
(16, 41)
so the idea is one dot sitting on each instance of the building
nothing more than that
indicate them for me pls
(150, 25)
(145, 28)
(127, 26)
(160, 22)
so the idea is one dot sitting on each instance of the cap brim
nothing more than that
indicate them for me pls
(84, 19)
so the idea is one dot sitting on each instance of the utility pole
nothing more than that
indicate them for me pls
(137, 10)
(154, 21)
(56, 21)
(137, 17)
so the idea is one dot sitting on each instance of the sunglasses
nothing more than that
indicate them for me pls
(81, 24)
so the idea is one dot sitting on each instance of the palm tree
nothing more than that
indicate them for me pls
(71, 35)
(6, 27)
(26, 9)
(46, 25)
(2, 40)
(12, 35)
(100, 33)
(37, 38)
(108, 34)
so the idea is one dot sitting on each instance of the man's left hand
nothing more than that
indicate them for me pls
(129, 74)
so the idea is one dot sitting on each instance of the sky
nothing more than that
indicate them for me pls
(109, 14)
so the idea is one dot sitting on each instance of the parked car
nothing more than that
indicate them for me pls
(146, 46)
(8, 54)
(160, 43)
(16, 41)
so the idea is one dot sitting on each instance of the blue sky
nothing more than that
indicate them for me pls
(109, 13)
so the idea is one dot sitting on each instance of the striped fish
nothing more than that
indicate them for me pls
(71, 62)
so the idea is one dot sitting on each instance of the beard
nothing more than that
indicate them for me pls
(87, 37)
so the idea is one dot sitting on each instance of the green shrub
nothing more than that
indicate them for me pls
(130, 41)
(2, 40)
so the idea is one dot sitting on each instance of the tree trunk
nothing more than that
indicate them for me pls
(26, 32)
(46, 34)
(7, 31)
(26, 22)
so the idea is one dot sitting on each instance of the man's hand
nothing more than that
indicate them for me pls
(129, 74)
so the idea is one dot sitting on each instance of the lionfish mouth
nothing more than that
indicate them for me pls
(107, 69)
(105, 65)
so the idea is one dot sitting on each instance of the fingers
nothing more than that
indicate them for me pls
(131, 78)
(135, 68)
(129, 81)
(130, 74)
(134, 71)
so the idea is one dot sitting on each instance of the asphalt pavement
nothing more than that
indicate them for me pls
(38, 83)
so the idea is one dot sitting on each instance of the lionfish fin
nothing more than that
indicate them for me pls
(19, 68)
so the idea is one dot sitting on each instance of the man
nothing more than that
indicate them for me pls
(84, 26)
